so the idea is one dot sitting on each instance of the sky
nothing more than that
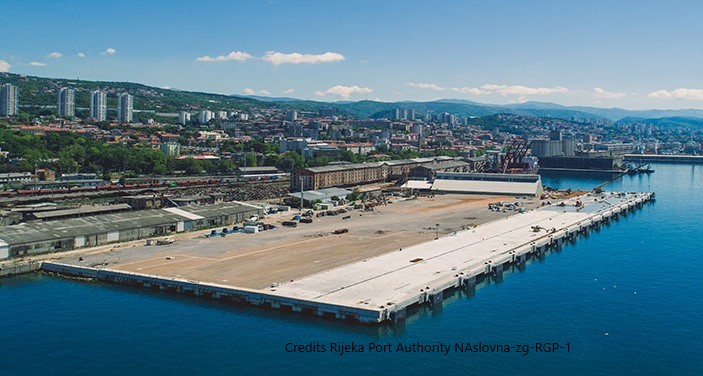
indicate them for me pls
(628, 54)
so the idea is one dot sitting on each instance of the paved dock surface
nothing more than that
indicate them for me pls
(257, 260)
(400, 277)
(372, 283)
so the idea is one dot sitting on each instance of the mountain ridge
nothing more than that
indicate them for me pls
(41, 91)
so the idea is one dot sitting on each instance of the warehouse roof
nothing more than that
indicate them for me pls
(260, 168)
(351, 166)
(486, 187)
(444, 165)
(417, 184)
(83, 210)
(322, 194)
(101, 224)
(510, 184)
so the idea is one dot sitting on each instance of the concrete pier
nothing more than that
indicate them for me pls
(383, 288)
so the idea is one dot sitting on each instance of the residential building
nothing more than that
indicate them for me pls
(125, 108)
(171, 149)
(66, 105)
(9, 100)
(98, 105)
(205, 116)
(183, 117)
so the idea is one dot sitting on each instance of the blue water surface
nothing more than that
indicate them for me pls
(626, 299)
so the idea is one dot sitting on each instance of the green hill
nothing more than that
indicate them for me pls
(42, 92)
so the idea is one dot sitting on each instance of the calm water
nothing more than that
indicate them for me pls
(627, 299)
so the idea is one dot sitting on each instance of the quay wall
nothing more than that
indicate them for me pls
(21, 268)
(215, 291)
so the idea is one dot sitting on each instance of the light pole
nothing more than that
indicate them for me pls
(436, 236)
(301, 192)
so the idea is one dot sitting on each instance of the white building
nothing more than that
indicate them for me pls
(9, 100)
(66, 105)
(98, 105)
(221, 114)
(125, 107)
(171, 149)
(183, 117)
(211, 135)
(205, 116)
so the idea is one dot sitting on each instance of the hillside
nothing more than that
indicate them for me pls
(665, 121)
(42, 92)
(38, 97)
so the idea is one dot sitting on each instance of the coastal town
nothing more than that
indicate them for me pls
(217, 139)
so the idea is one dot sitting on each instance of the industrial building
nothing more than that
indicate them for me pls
(258, 170)
(429, 172)
(322, 195)
(502, 184)
(54, 236)
(351, 174)
(83, 211)
(554, 148)
(478, 183)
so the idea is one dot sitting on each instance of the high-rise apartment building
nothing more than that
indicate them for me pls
(183, 117)
(66, 105)
(98, 105)
(205, 116)
(124, 108)
(9, 100)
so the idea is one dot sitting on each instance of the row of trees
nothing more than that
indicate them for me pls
(68, 153)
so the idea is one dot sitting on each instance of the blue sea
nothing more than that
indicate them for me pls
(625, 300)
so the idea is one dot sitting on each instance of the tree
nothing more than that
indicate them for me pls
(225, 166)
(271, 159)
(319, 161)
(250, 159)
(290, 161)
(348, 156)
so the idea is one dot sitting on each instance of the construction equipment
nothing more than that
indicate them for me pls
(512, 160)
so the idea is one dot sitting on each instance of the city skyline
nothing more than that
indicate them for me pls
(627, 55)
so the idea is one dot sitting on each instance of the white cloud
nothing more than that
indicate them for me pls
(80, 54)
(109, 51)
(470, 90)
(278, 58)
(232, 56)
(505, 90)
(425, 85)
(344, 91)
(680, 93)
(602, 93)
(37, 64)
(288, 91)
(5, 66)
(250, 91)
(55, 55)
